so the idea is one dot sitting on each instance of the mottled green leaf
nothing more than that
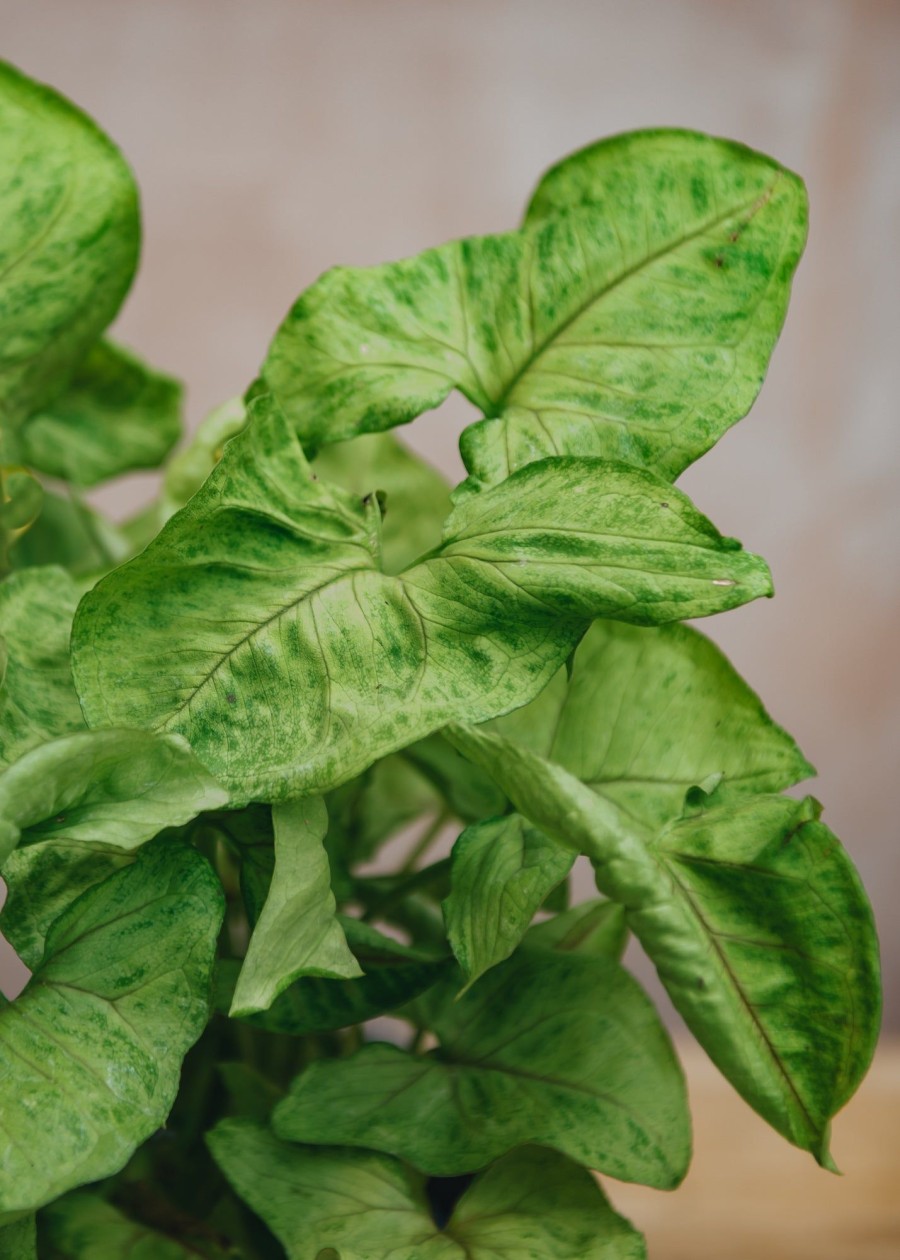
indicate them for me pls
(259, 625)
(297, 933)
(532, 1205)
(69, 245)
(115, 416)
(90, 1053)
(632, 318)
(502, 871)
(648, 714)
(84, 1227)
(393, 974)
(108, 787)
(38, 699)
(416, 497)
(18, 1241)
(757, 923)
(560, 1049)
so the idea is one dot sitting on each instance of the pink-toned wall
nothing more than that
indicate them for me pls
(275, 138)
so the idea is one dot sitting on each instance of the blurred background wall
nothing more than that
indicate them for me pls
(275, 138)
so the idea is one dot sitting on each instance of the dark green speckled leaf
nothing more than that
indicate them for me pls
(90, 1053)
(532, 1205)
(115, 416)
(260, 625)
(69, 245)
(632, 318)
(559, 1049)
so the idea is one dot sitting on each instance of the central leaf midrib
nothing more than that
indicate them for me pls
(500, 404)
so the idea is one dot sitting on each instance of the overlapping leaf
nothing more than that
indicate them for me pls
(559, 1049)
(83, 1226)
(18, 1240)
(298, 933)
(69, 247)
(749, 907)
(90, 1053)
(532, 1205)
(115, 416)
(259, 625)
(634, 323)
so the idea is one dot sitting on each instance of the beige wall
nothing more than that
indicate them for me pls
(275, 138)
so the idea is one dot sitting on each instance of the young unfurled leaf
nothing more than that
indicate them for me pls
(562, 1050)
(115, 416)
(83, 1226)
(502, 871)
(634, 325)
(107, 787)
(38, 699)
(259, 625)
(69, 243)
(532, 1205)
(393, 974)
(90, 1053)
(297, 933)
(757, 923)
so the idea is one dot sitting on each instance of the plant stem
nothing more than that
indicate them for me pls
(425, 841)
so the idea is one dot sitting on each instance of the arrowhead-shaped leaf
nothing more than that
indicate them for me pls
(70, 241)
(632, 318)
(259, 625)
(298, 933)
(38, 699)
(90, 1053)
(532, 1205)
(562, 1050)
(755, 918)
(115, 416)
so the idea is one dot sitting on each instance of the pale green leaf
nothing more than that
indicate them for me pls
(648, 714)
(84, 1227)
(107, 787)
(416, 497)
(115, 416)
(38, 700)
(757, 923)
(559, 1049)
(70, 533)
(21, 498)
(69, 246)
(298, 933)
(532, 1205)
(90, 1053)
(634, 322)
(502, 871)
(393, 974)
(259, 626)
(18, 1240)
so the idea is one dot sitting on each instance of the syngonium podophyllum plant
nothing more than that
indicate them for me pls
(215, 715)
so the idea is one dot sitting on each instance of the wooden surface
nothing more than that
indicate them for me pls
(751, 1196)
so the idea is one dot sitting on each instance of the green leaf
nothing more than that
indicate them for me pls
(562, 1050)
(593, 927)
(416, 496)
(116, 416)
(468, 792)
(107, 787)
(259, 626)
(393, 974)
(298, 933)
(38, 701)
(632, 318)
(502, 871)
(21, 497)
(90, 1053)
(648, 714)
(18, 1240)
(69, 246)
(72, 534)
(532, 1205)
(756, 921)
(84, 1227)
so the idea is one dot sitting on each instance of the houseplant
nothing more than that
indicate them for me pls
(215, 715)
